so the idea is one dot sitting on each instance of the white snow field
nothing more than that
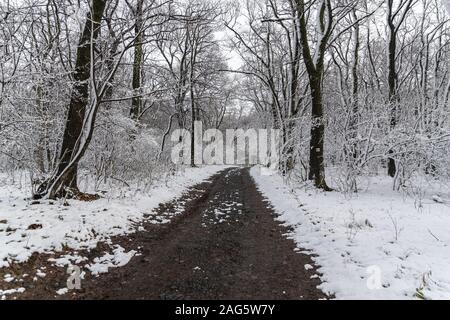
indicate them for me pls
(26, 228)
(378, 244)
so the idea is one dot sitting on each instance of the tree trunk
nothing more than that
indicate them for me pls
(136, 102)
(392, 82)
(193, 111)
(194, 118)
(67, 179)
(394, 99)
(316, 159)
(40, 146)
(354, 117)
(315, 69)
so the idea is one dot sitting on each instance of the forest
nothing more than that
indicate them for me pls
(93, 94)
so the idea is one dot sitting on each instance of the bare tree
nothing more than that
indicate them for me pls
(395, 19)
(315, 67)
(136, 103)
(66, 174)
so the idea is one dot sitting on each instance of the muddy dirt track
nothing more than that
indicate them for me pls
(226, 245)
(223, 244)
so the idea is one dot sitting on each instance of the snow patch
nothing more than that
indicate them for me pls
(4, 293)
(62, 291)
(119, 258)
(375, 245)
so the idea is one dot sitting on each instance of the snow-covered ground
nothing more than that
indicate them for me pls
(50, 226)
(378, 244)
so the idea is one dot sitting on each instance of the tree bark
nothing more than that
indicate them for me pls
(354, 118)
(193, 119)
(316, 158)
(392, 83)
(136, 102)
